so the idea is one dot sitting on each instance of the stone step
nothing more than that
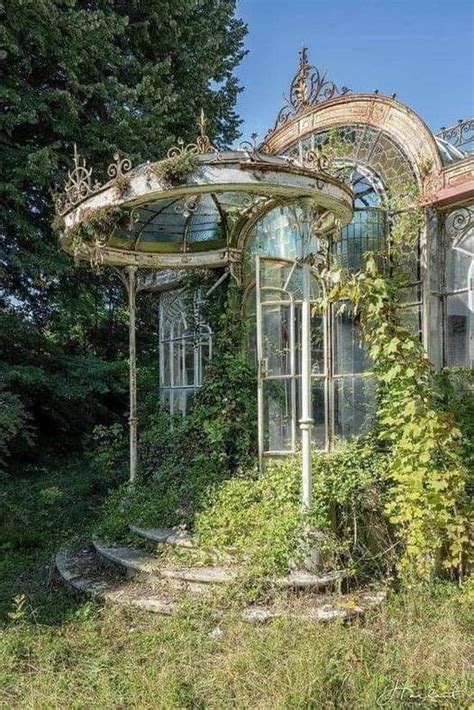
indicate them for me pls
(145, 564)
(82, 572)
(141, 563)
(164, 536)
(300, 579)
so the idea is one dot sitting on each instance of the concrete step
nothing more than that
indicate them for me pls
(82, 572)
(164, 536)
(145, 564)
(141, 563)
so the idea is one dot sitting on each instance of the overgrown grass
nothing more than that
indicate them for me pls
(414, 653)
(39, 512)
(58, 651)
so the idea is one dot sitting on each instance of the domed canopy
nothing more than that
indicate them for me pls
(190, 208)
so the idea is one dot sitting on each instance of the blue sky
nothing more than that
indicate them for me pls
(420, 49)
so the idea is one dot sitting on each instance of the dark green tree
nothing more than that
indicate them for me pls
(109, 75)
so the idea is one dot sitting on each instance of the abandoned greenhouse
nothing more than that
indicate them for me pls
(327, 186)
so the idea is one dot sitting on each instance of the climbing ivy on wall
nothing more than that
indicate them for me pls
(427, 500)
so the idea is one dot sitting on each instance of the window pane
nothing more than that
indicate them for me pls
(317, 345)
(276, 345)
(319, 413)
(349, 348)
(411, 319)
(366, 232)
(457, 270)
(189, 362)
(353, 405)
(166, 364)
(277, 415)
(205, 359)
(177, 363)
(459, 330)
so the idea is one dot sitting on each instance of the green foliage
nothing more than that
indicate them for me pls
(415, 652)
(455, 390)
(182, 463)
(112, 77)
(176, 169)
(13, 426)
(427, 501)
(260, 517)
(97, 228)
(59, 388)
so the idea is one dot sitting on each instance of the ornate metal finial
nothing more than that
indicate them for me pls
(120, 167)
(202, 144)
(253, 149)
(308, 88)
(78, 186)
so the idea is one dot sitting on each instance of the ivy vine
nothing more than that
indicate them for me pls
(427, 500)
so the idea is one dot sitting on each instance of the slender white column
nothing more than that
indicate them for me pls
(131, 272)
(306, 420)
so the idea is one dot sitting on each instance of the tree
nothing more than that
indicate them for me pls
(109, 75)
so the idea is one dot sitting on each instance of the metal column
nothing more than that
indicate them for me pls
(306, 420)
(131, 272)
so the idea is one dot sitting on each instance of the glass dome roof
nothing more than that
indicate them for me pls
(198, 220)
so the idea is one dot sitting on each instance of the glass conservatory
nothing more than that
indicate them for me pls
(267, 216)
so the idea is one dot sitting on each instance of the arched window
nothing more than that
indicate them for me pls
(185, 348)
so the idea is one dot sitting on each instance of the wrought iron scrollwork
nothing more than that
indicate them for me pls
(255, 151)
(317, 159)
(188, 205)
(459, 135)
(308, 88)
(120, 167)
(459, 225)
(201, 146)
(78, 186)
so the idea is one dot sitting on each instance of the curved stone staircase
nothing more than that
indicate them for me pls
(134, 576)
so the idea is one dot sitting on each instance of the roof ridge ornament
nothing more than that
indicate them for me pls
(308, 88)
(120, 167)
(254, 150)
(78, 186)
(201, 146)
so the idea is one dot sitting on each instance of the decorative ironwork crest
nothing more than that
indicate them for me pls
(459, 227)
(120, 167)
(202, 144)
(255, 151)
(308, 88)
(78, 186)
(461, 134)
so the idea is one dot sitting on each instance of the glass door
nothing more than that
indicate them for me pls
(276, 355)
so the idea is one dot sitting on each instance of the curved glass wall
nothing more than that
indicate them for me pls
(342, 390)
(283, 232)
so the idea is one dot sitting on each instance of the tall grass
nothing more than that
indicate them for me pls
(415, 652)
